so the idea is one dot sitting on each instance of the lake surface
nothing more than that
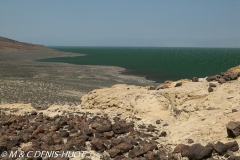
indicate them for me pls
(155, 63)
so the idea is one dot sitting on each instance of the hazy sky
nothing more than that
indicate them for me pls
(163, 23)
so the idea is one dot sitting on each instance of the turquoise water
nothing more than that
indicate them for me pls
(157, 64)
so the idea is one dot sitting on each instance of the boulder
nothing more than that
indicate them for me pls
(221, 80)
(210, 89)
(178, 84)
(232, 146)
(104, 128)
(195, 79)
(114, 152)
(122, 127)
(212, 85)
(123, 147)
(233, 129)
(178, 148)
(98, 144)
(197, 152)
(220, 148)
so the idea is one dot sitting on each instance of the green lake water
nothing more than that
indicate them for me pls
(157, 64)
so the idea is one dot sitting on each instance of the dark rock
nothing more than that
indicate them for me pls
(56, 127)
(114, 152)
(234, 110)
(229, 76)
(40, 129)
(162, 87)
(220, 148)
(158, 122)
(217, 77)
(150, 88)
(142, 126)
(87, 131)
(57, 140)
(34, 113)
(94, 125)
(98, 135)
(140, 151)
(189, 141)
(210, 78)
(197, 152)
(162, 154)
(195, 79)
(68, 147)
(163, 134)
(64, 134)
(115, 141)
(228, 154)
(210, 89)
(58, 147)
(108, 135)
(124, 147)
(135, 152)
(171, 156)
(116, 119)
(178, 148)
(178, 84)
(45, 147)
(212, 85)
(232, 146)
(47, 139)
(210, 108)
(150, 128)
(12, 143)
(165, 125)
(122, 127)
(234, 158)
(152, 155)
(221, 80)
(98, 144)
(104, 128)
(226, 78)
(149, 147)
(233, 129)
(184, 150)
(121, 157)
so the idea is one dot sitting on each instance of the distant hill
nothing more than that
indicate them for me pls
(15, 50)
(6, 43)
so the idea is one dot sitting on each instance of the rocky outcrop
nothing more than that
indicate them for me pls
(195, 110)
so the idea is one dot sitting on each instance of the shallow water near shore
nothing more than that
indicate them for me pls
(155, 63)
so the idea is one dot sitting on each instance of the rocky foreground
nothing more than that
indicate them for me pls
(187, 119)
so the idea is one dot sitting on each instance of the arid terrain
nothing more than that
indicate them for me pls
(63, 107)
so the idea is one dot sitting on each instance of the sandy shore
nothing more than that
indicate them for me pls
(42, 84)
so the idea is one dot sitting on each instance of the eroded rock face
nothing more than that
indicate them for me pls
(128, 98)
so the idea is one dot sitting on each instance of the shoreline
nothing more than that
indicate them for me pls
(28, 80)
